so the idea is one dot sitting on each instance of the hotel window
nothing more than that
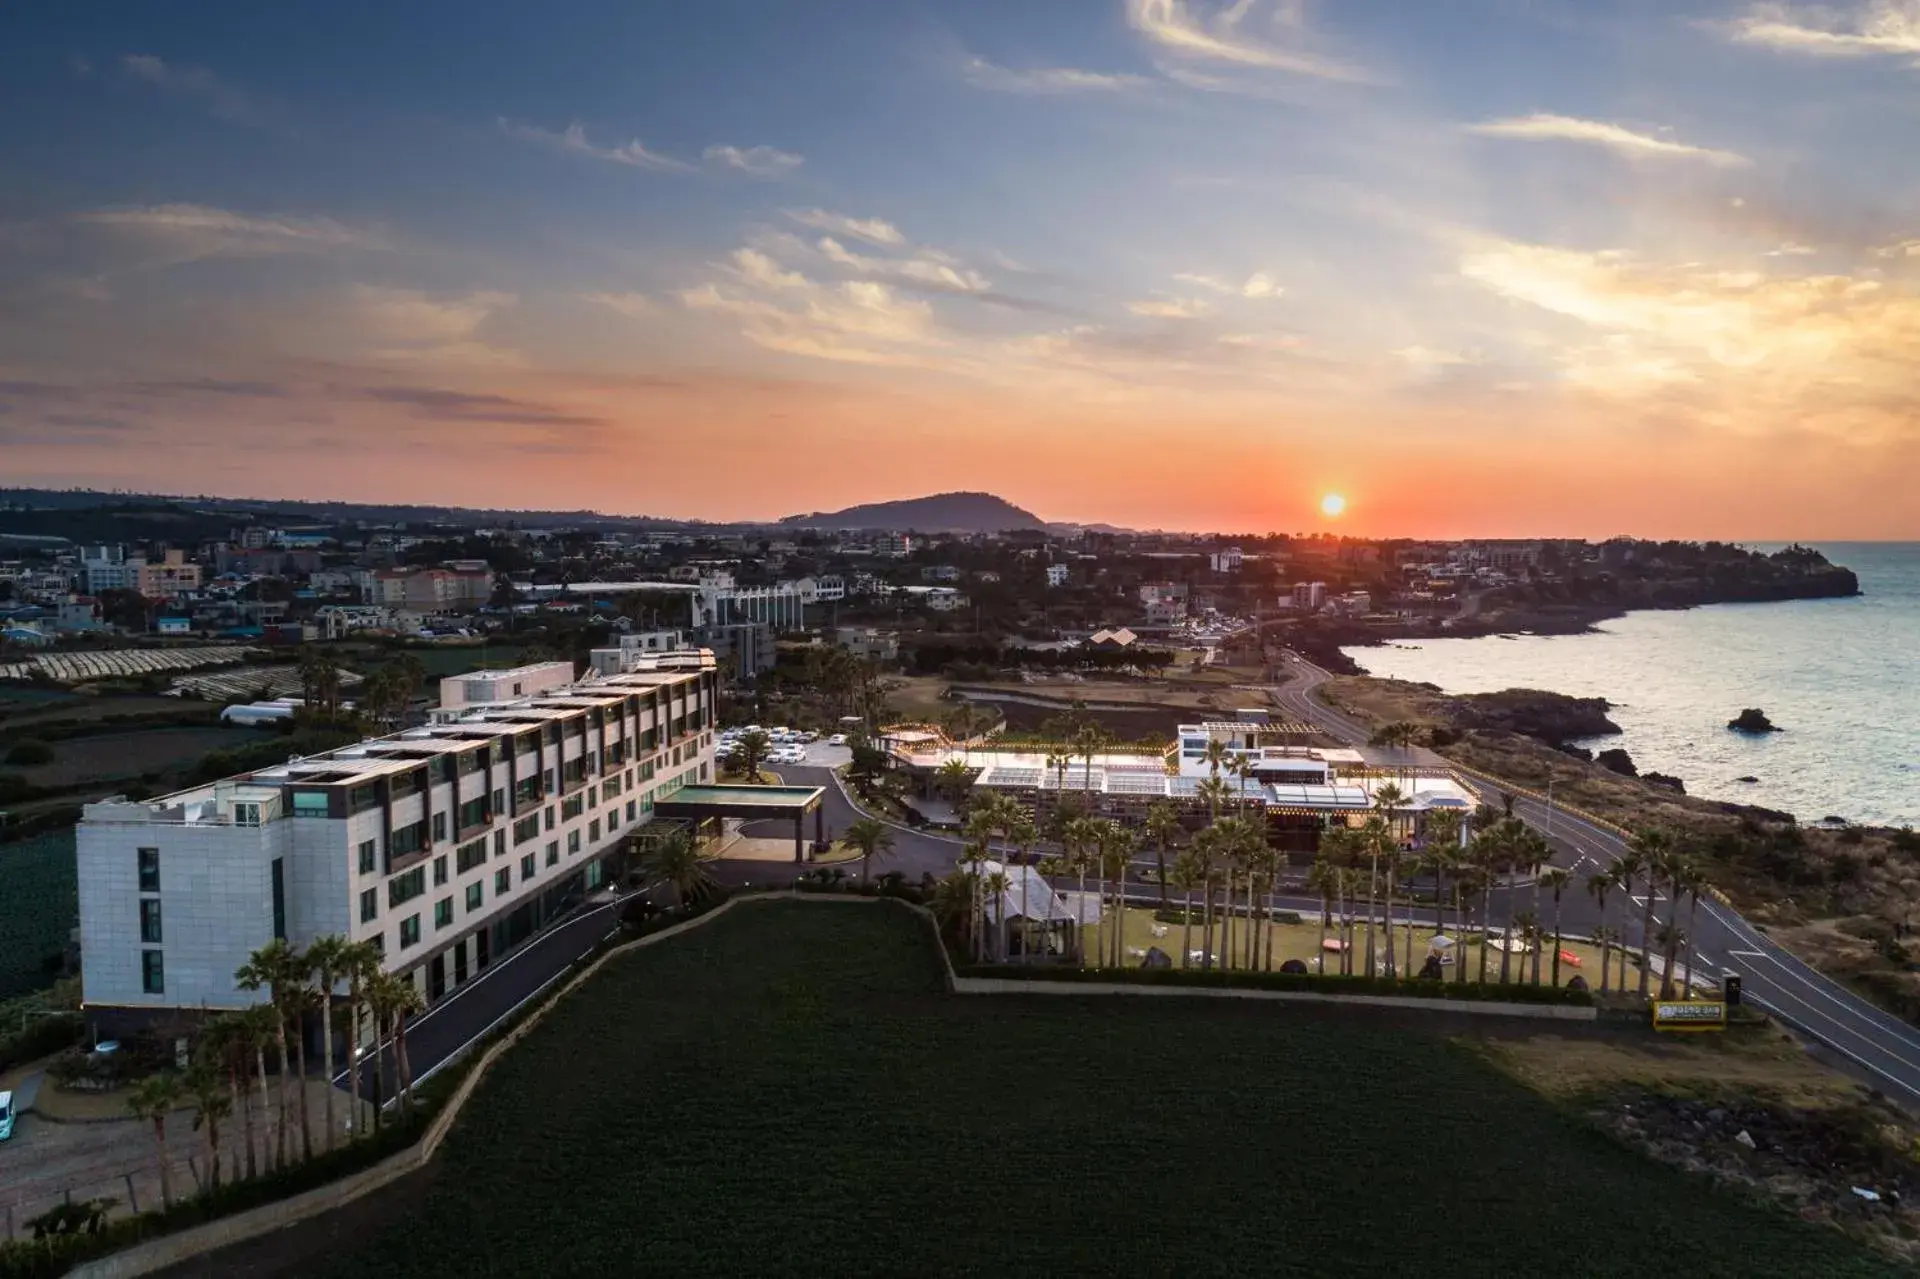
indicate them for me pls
(502, 882)
(369, 857)
(593, 831)
(476, 894)
(379, 943)
(570, 808)
(593, 797)
(467, 856)
(499, 802)
(153, 973)
(526, 828)
(443, 913)
(526, 868)
(573, 842)
(549, 816)
(404, 888)
(369, 905)
(473, 812)
(149, 859)
(630, 805)
(150, 920)
(409, 931)
(439, 826)
(553, 853)
(439, 870)
(408, 839)
(499, 843)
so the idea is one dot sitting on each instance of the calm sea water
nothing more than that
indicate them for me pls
(1842, 677)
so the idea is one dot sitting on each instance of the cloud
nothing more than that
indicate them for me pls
(755, 268)
(872, 230)
(211, 386)
(461, 406)
(573, 140)
(761, 162)
(928, 268)
(1170, 308)
(856, 322)
(196, 83)
(1259, 285)
(1427, 359)
(1220, 37)
(409, 325)
(1882, 28)
(1545, 127)
(199, 231)
(1759, 348)
(632, 305)
(1046, 80)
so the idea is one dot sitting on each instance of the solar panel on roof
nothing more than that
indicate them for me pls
(998, 776)
(1136, 784)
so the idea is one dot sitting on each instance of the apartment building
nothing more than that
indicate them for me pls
(446, 846)
(168, 578)
(431, 590)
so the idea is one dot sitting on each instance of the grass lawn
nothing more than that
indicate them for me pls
(39, 908)
(1302, 941)
(789, 1091)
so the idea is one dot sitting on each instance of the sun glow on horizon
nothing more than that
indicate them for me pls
(1333, 506)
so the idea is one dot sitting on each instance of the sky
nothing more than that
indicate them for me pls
(1485, 267)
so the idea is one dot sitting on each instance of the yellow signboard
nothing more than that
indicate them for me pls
(1689, 1014)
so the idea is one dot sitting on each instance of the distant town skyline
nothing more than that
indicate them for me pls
(1495, 268)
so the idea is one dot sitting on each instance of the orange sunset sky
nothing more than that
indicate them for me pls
(1502, 267)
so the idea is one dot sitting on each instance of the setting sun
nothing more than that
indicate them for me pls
(1332, 505)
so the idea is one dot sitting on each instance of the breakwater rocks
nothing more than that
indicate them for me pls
(1752, 720)
(1552, 718)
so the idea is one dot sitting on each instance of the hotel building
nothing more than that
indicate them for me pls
(446, 846)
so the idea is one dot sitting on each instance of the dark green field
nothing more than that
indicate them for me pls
(39, 905)
(787, 1091)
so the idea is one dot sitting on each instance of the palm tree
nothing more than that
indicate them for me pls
(153, 1099)
(1647, 852)
(1696, 883)
(1375, 835)
(1243, 769)
(1599, 884)
(1488, 851)
(228, 1051)
(1187, 878)
(1680, 872)
(274, 967)
(1340, 845)
(1205, 852)
(996, 886)
(405, 1000)
(326, 968)
(1058, 762)
(211, 1104)
(954, 779)
(1556, 879)
(1468, 879)
(1322, 877)
(1021, 832)
(1116, 844)
(1163, 827)
(262, 1028)
(751, 750)
(1531, 849)
(872, 837)
(360, 962)
(1077, 837)
(1089, 741)
(674, 859)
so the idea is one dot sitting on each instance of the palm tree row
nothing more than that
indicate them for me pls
(228, 1072)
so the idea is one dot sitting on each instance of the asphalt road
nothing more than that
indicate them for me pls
(1883, 1049)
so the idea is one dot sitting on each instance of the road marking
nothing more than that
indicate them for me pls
(1747, 954)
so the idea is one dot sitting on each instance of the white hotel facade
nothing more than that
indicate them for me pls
(446, 846)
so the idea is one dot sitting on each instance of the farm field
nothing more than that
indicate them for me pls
(38, 908)
(77, 668)
(105, 756)
(788, 1090)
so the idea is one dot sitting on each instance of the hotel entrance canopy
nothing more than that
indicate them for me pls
(752, 803)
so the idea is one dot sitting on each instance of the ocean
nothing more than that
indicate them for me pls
(1841, 677)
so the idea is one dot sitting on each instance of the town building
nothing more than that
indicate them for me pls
(484, 688)
(1056, 575)
(1228, 560)
(446, 846)
(169, 578)
(431, 590)
(1309, 597)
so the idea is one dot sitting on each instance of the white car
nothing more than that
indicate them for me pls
(838, 739)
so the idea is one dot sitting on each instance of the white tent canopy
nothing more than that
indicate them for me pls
(1028, 895)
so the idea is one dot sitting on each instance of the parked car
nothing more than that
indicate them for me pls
(6, 1115)
(838, 739)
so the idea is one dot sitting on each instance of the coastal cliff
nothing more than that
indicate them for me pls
(1578, 597)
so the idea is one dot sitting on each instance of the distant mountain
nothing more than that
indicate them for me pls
(941, 513)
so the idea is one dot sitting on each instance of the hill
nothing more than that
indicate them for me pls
(940, 513)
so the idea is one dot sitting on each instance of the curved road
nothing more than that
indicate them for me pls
(1884, 1050)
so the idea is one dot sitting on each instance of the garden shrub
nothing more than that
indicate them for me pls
(1319, 983)
(28, 752)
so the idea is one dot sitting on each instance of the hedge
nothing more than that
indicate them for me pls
(40, 1037)
(1174, 915)
(1319, 983)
